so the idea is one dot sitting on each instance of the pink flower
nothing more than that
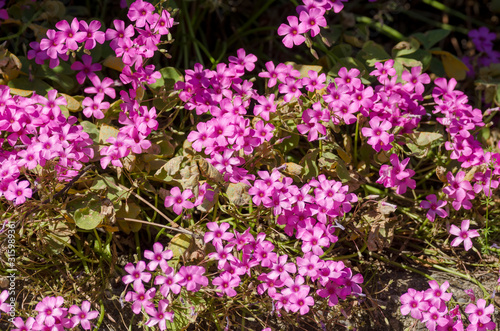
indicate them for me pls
(69, 34)
(5, 307)
(136, 274)
(293, 32)
(479, 313)
(463, 234)
(281, 269)
(160, 316)
(168, 282)
(379, 137)
(92, 34)
(83, 315)
(217, 233)
(300, 301)
(312, 20)
(141, 298)
(435, 207)
(436, 294)
(49, 309)
(29, 325)
(86, 68)
(141, 11)
(18, 192)
(226, 283)
(104, 87)
(192, 277)
(179, 200)
(243, 61)
(413, 303)
(158, 257)
(94, 107)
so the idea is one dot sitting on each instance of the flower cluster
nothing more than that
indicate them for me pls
(52, 315)
(289, 284)
(483, 40)
(431, 307)
(37, 133)
(311, 19)
(169, 282)
(396, 175)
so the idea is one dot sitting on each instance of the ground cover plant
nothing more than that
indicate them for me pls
(158, 174)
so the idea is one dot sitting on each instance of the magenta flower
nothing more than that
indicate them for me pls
(29, 325)
(104, 87)
(415, 80)
(92, 34)
(192, 277)
(463, 235)
(459, 189)
(300, 301)
(281, 269)
(179, 200)
(437, 293)
(5, 307)
(141, 11)
(83, 315)
(86, 69)
(435, 207)
(49, 309)
(18, 192)
(137, 275)
(168, 282)
(413, 303)
(293, 32)
(223, 255)
(141, 298)
(158, 257)
(217, 233)
(479, 313)
(312, 20)
(226, 283)
(434, 318)
(243, 62)
(69, 34)
(160, 316)
(379, 137)
(94, 107)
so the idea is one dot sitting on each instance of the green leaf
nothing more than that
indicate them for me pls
(91, 129)
(88, 218)
(58, 76)
(169, 76)
(179, 244)
(342, 172)
(432, 37)
(405, 48)
(304, 69)
(373, 52)
(342, 50)
(169, 169)
(107, 131)
(37, 85)
(129, 210)
(310, 164)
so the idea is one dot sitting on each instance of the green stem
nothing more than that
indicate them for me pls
(356, 134)
(385, 29)
(448, 10)
(101, 316)
(191, 32)
(137, 245)
(420, 17)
